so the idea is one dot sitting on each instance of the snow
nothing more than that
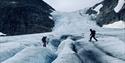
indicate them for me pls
(90, 53)
(119, 5)
(11, 45)
(118, 48)
(98, 8)
(119, 24)
(2, 34)
(72, 23)
(66, 53)
(50, 17)
(8, 50)
(32, 55)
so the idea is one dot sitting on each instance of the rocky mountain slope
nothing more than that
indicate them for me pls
(25, 17)
(109, 12)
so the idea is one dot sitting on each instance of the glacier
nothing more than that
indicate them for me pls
(28, 48)
(68, 43)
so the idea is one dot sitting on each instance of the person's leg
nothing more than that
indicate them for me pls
(90, 39)
(44, 44)
(95, 38)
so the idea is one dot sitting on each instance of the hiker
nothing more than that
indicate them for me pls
(44, 40)
(92, 35)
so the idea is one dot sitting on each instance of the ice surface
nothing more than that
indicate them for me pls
(117, 49)
(8, 50)
(66, 53)
(28, 48)
(71, 5)
(32, 55)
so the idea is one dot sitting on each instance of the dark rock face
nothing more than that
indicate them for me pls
(91, 11)
(107, 14)
(25, 17)
(106, 18)
(122, 13)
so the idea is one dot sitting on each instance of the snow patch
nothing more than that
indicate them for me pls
(98, 8)
(90, 53)
(119, 24)
(119, 5)
(2, 34)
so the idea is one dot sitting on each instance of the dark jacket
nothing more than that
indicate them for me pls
(44, 39)
(93, 32)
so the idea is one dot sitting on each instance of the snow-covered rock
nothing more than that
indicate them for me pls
(72, 23)
(69, 49)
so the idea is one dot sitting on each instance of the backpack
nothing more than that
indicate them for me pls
(44, 39)
(93, 32)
